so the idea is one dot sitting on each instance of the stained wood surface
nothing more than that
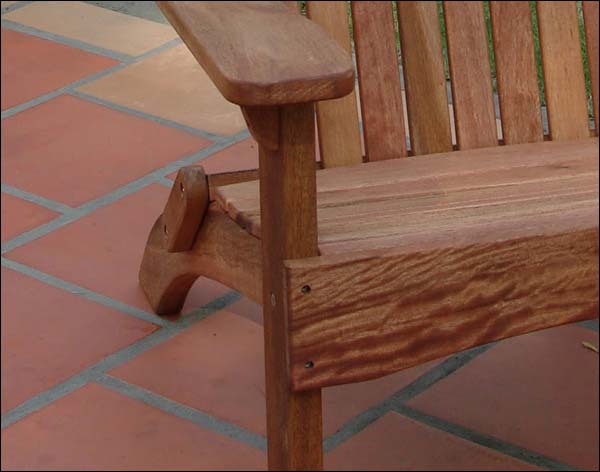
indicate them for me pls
(185, 208)
(563, 70)
(472, 95)
(424, 77)
(590, 15)
(516, 72)
(366, 318)
(392, 203)
(262, 53)
(379, 80)
(337, 120)
(289, 222)
(166, 277)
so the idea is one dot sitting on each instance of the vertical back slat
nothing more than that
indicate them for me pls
(590, 16)
(379, 80)
(424, 77)
(337, 120)
(472, 94)
(563, 70)
(516, 72)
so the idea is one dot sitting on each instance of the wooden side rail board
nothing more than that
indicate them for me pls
(353, 320)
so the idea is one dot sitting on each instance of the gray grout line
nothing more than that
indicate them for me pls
(148, 116)
(38, 200)
(111, 197)
(157, 50)
(197, 417)
(55, 93)
(117, 56)
(166, 182)
(84, 292)
(38, 232)
(14, 6)
(589, 324)
(484, 440)
(114, 360)
(369, 416)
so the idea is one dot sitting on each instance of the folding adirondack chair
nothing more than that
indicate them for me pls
(366, 265)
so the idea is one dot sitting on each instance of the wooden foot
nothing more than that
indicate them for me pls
(192, 239)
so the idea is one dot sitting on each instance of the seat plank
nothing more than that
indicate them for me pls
(424, 77)
(516, 72)
(563, 70)
(388, 204)
(590, 15)
(379, 80)
(337, 120)
(471, 80)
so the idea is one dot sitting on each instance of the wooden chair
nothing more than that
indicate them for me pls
(381, 262)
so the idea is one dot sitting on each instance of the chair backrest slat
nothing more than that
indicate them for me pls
(563, 70)
(379, 80)
(590, 16)
(337, 120)
(516, 74)
(470, 75)
(424, 77)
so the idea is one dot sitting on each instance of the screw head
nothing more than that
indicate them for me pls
(309, 364)
(305, 289)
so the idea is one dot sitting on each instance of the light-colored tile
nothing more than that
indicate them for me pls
(171, 85)
(94, 25)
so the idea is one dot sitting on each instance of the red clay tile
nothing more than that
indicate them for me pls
(538, 391)
(49, 335)
(239, 156)
(398, 443)
(19, 215)
(103, 250)
(248, 309)
(97, 429)
(72, 150)
(217, 366)
(32, 66)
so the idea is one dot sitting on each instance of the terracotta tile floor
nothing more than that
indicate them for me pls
(99, 110)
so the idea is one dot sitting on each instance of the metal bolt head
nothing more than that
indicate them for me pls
(305, 289)
(309, 364)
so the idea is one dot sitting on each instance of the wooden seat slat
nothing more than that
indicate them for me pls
(379, 80)
(563, 70)
(516, 73)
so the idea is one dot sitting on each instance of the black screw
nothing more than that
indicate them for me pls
(309, 364)
(306, 289)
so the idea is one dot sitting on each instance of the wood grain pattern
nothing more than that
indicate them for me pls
(590, 15)
(516, 72)
(262, 53)
(424, 77)
(563, 70)
(392, 203)
(166, 277)
(185, 208)
(289, 222)
(472, 94)
(367, 318)
(337, 120)
(379, 80)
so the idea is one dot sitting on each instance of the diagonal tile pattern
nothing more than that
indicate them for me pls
(100, 107)
(29, 66)
(79, 21)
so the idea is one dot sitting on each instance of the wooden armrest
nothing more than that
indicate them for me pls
(262, 53)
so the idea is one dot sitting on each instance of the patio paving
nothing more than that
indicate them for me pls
(101, 104)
